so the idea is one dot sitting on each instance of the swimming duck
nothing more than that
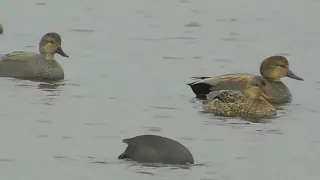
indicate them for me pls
(156, 149)
(1, 29)
(272, 69)
(34, 66)
(250, 103)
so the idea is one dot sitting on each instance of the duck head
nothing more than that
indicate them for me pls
(50, 44)
(275, 67)
(256, 88)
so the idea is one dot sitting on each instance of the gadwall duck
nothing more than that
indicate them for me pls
(34, 66)
(272, 69)
(250, 103)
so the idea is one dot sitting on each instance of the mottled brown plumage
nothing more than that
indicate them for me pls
(250, 103)
(34, 66)
(272, 69)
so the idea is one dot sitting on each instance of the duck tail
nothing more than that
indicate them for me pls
(190, 84)
(200, 77)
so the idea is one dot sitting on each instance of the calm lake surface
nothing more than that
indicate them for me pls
(127, 73)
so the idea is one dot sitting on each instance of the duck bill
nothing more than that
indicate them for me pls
(60, 51)
(265, 96)
(293, 76)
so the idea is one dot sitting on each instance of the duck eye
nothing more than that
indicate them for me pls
(281, 65)
(50, 42)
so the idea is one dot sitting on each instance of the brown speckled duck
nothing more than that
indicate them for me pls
(34, 66)
(272, 69)
(250, 103)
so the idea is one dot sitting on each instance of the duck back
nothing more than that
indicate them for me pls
(206, 85)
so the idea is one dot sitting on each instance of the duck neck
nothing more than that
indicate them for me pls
(252, 96)
(49, 57)
(272, 79)
(256, 98)
(253, 93)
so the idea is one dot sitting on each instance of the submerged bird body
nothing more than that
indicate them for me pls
(34, 66)
(156, 149)
(250, 103)
(272, 69)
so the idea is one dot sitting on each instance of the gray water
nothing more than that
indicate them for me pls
(127, 73)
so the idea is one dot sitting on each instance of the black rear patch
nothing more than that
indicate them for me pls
(201, 89)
